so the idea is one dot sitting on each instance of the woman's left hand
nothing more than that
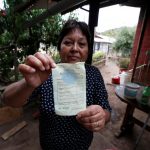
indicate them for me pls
(93, 118)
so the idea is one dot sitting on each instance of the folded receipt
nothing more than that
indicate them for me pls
(69, 86)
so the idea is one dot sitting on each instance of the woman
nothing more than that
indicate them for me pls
(57, 132)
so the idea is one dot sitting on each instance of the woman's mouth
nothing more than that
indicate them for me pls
(73, 58)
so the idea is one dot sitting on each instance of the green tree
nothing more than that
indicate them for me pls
(20, 41)
(25, 41)
(124, 41)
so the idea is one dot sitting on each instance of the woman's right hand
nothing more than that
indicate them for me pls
(37, 68)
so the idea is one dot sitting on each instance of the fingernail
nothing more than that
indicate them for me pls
(42, 68)
(32, 70)
(53, 65)
(47, 67)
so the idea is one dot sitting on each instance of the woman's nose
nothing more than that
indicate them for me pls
(75, 47)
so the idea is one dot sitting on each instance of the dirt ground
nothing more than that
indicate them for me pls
(28, 137)
(118, 110)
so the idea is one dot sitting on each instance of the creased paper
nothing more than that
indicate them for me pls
(69, 86)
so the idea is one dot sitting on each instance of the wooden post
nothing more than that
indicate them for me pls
(140, 41)
(93, 20)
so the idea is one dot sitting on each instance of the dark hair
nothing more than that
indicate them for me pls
(69, 26)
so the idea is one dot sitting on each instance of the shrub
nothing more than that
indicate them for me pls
(124, 63)
(98, 56)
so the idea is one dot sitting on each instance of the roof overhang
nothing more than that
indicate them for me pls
(53, 7)
(69, 5)
(136, 3)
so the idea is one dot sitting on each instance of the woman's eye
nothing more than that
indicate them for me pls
(68, 43)
(82, 44)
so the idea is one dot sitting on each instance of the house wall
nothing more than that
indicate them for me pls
(102, 46)
(143, 73)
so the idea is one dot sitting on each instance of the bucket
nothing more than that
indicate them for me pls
(125, 77)
(130, 90)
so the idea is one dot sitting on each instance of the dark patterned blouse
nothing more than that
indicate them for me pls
(65, 133)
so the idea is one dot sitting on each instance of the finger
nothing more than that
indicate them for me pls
(47, 60)
(23, 68)
(91, 126)
(96, 129)
(90, 119)
(88, 112)
(96, 126)
(44, 60)
(51, 61)
(34, 62)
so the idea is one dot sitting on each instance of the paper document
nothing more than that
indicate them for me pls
(69, 86)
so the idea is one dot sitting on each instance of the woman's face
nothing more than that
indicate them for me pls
(74, 47)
